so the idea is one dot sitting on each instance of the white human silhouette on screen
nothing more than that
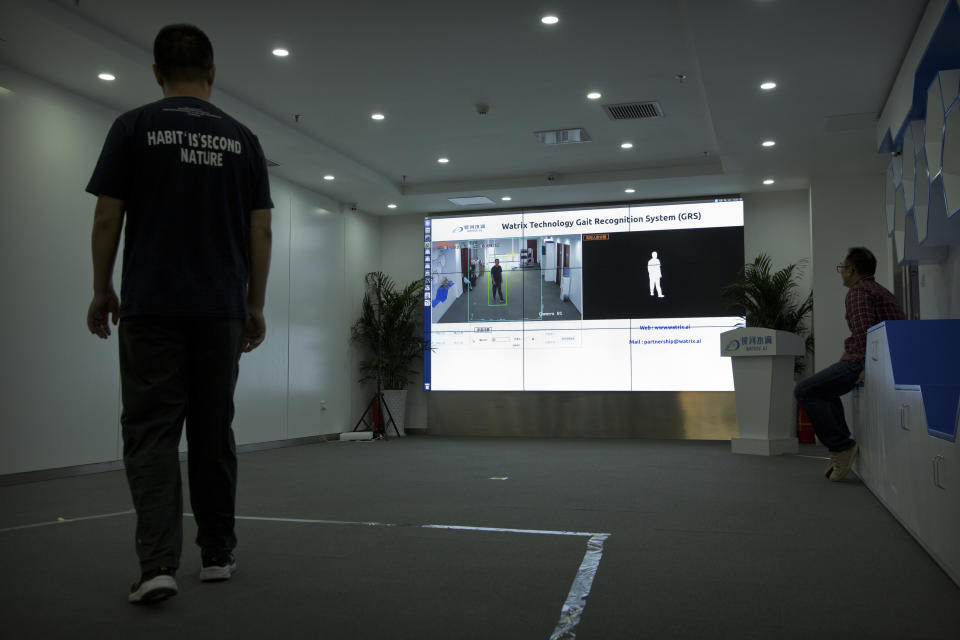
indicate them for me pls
(653, 270)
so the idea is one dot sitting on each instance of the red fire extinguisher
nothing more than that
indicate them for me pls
(804, 428)
(376, 418)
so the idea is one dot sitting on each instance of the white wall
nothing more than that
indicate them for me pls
(362, 255)
(940, 288)
(548, 262)
(402, 259)
(60, 387)
(844, 212)
(778, 223)
(576, 266)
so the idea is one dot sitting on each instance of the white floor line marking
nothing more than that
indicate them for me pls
(67, 520)
(570, 613)
(306, 521)
(583, 534)
(576, 602)
(797, 455)
(454, 527)
(573, 606)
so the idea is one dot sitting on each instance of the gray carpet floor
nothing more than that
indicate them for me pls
(703, 544)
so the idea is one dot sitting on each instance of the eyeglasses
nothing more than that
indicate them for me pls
(841, 267)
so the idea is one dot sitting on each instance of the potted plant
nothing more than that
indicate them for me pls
(767, 355)
(390, 329)
(769, 300)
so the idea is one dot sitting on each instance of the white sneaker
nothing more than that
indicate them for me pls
(155, 589)
(218, 569)
(843, 462)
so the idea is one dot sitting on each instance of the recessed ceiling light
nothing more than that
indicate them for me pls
(549, 19)
(629, 190)
(768, 143)
(627, 145)
(328, 177)
(281, 53)
(506, 198)
(768, 86)
(768, 181)
(594, 95)
(391, 206)
(443, 160)
(378, 116)
(107, 76)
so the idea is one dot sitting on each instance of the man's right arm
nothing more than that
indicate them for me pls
(261, 242)
(105, 239)
(860, 317)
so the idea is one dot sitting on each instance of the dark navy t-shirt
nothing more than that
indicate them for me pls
(189, 176)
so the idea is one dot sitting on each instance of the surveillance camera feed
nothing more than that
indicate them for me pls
(612, 299)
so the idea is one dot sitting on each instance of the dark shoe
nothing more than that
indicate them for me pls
(217, 566)
(153, 588)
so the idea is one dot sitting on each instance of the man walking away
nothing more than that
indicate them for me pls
(191, 183)
(496, 278)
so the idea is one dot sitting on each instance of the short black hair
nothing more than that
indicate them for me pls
(183, 53)
(862, 260)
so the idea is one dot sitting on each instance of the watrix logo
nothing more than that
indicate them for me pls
(733, 345)
(470, 228)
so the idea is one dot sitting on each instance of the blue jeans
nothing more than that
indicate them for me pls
(819, 397)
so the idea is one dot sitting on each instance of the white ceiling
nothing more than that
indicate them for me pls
(426, 64)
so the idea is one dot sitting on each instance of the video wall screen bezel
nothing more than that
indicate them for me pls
(494, 331)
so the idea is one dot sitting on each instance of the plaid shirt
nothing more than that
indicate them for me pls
(868, 303)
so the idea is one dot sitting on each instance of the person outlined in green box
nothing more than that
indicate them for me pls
(496, 280)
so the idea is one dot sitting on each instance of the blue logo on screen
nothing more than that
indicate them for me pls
(733, 345)
(471, 228)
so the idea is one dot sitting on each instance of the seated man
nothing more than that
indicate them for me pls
(867, 304)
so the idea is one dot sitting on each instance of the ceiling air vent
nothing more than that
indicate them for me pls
(633, 110)
(271, 163)
(563, 136)
(472, 200)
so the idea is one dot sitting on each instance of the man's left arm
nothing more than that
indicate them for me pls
(107, 225)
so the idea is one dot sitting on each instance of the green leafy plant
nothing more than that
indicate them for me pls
(769, 299)
(390, 327)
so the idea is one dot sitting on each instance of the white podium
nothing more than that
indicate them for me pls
(763, 380)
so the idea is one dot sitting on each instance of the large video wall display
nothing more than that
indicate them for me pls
(613, 299)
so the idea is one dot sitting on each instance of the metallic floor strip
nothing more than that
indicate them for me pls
(576, 602)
